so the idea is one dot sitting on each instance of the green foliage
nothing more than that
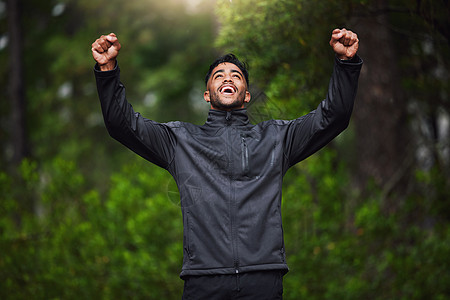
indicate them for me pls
(342, 248)
(126, 245)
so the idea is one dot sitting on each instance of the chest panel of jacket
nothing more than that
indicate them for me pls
(227, 207)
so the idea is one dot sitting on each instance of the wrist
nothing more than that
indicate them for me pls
(343, 57)
(108, 66)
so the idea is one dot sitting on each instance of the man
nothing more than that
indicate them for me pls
(228, 171)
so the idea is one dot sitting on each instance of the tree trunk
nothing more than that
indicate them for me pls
(384, 152)
(18, 133)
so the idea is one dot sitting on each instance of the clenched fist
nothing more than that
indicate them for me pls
(344, 43)
(105, 50)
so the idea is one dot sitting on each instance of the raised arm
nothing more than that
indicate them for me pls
(313, 131)
(151, 140)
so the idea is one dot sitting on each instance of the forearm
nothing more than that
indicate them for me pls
(313, 131)
(114, 107)
(336, 109)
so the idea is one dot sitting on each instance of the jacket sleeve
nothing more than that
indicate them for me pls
(152, 140)
(311, 132)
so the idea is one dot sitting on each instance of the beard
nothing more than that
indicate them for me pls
(218, 103)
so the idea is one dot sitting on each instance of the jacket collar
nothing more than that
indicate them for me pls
(237, 117)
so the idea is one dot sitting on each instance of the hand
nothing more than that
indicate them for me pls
(105, 50)
(345, 43)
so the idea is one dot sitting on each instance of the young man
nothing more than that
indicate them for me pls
(228, 171)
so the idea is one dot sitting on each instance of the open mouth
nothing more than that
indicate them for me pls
(227, 90)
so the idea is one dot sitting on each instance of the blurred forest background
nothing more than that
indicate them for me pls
(81, 217)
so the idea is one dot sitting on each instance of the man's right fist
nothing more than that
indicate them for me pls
(105, 50)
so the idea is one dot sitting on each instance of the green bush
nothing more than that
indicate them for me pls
(82, 245)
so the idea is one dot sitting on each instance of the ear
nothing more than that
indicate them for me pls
(247, 97)
(206, 96)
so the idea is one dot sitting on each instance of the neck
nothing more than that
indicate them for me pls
(224, 108)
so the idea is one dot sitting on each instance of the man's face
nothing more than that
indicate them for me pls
(227, 88)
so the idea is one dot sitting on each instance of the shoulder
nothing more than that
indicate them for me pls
(185, 127)
(273, 123)
(279, 125)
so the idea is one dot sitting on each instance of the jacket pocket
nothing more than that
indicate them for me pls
(256, 158)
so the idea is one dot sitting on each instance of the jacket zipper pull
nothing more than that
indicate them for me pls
(228, 117)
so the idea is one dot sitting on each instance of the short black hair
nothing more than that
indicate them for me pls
(228, 58)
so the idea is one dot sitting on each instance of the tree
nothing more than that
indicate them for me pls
(18, 134)
(392, 31)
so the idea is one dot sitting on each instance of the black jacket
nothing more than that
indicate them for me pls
(229, 172)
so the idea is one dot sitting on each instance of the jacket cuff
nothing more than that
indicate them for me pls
(101, 74)
(354, 61)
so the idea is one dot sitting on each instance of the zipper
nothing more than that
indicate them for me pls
(283, 254)
(232, 205)
(272, 158)
(228, 117)
(188, 240)
(244, 149)
(282, 250)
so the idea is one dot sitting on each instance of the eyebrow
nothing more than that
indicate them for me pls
(232, 71)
